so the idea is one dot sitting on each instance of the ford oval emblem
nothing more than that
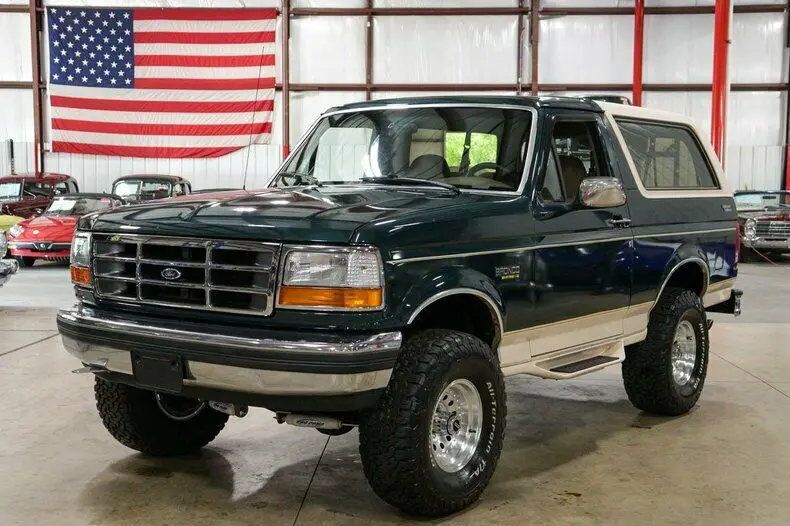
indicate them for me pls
(171, 274)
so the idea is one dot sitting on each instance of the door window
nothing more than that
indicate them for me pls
(32, 190)
(575, 155)
(61, 188)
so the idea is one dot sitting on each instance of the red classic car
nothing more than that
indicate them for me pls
(28, 195)
(145, 187)
(48, 236)
(764, 220)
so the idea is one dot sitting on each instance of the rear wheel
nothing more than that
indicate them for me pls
(25, 261)
(432, 444)
(153, 423)
(665, 373)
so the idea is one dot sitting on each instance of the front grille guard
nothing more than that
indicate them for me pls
(122, 273)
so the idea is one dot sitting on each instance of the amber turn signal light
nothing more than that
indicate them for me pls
(338, 298)
(81, 275)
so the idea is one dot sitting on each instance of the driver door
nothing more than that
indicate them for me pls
(583, 261)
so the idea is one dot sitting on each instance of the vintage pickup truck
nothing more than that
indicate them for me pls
(407, 256)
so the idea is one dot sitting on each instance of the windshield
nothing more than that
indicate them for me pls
(142, 189)
(76, 206)
(762, 200)
(469, 148)
(9, 191)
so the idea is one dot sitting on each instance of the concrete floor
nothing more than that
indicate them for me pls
(576, 452)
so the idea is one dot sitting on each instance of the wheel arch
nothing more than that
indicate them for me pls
(690, 272)
(437, 312)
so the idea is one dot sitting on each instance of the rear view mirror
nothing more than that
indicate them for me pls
(601, 192)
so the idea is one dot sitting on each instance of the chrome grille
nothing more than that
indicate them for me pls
(767, 228)
(226, 276)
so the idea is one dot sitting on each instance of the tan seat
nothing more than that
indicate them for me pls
(573, 172)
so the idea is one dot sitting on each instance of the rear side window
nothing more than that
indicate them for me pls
(667, 157)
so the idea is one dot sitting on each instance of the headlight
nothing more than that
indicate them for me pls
(15, 230)
(3, 244)
(81, 259)
(332, 279)
(750, 230)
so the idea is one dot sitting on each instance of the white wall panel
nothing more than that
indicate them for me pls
(678, 49)
(16, 114)
(328, 49)
(755, 118)
(433, 49)
(15, 62)
(758, 52)
(307, 106)
(587, 3)
(445, 3)
(328, 3)
(696, 105)
(596, 49)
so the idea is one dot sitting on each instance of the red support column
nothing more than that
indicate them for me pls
(639, 39)
(286, 82)
(720, 84)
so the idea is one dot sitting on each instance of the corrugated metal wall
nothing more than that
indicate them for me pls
(479, 49)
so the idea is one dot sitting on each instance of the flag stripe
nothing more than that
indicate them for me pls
(205, 49)
(162, 129)
(164, 37)
(192, 26)
(139, 151)
(188, 74)
(204, 84)
(143, 117)
(163, 95)
(152, 106)
(196, 61)
(165, 141)
(204, 14)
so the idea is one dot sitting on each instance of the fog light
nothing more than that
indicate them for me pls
(81, 275)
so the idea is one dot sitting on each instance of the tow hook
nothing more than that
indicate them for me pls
(229, 409)
(98, 366)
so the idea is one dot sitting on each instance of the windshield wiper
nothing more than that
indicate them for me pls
(410, 181)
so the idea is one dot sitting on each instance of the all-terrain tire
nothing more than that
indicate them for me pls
(647, 369)
(395, 438)
(134, 419)
(25, 261)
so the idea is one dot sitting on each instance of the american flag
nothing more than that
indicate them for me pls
(160, 82)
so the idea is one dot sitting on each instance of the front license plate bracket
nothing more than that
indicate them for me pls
(162, 373)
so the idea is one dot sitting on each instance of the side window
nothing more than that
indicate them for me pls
(61, 188)
(34, 190)
(178, 189)
(552, 191)
(667, 156)
(576, 155)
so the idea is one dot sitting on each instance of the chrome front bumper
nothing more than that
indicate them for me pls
(772, 243)
(266, 364)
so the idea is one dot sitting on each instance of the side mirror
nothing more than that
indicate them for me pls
(601, 192)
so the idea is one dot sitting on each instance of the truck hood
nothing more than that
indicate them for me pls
(326, 214)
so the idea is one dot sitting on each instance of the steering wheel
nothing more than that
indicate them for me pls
(487, 166)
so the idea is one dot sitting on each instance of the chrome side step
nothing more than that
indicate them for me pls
(573, 362)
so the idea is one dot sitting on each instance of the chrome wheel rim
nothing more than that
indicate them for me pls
(179, 408)
(684, 352)
(456, 425)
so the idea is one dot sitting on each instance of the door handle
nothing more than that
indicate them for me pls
(620, 222)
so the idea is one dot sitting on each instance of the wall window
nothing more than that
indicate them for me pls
(667, 157)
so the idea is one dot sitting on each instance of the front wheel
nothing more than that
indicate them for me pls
(665, 373)
(431, 445)
(25, 261)
(159, 425)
